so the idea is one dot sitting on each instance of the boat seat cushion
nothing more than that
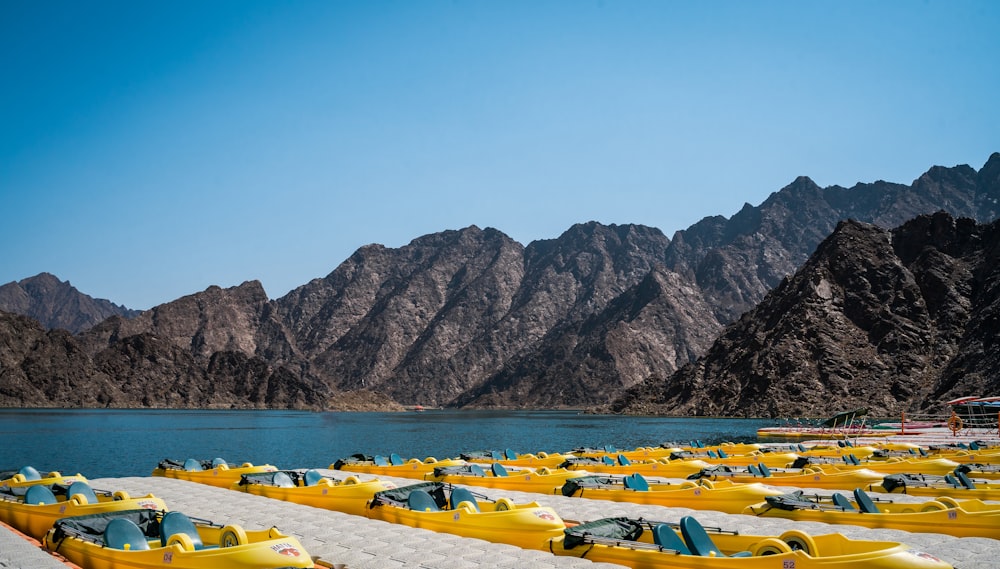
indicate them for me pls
(752, 468)
(396, 460)
(282, 480)
(842, 501)
(217, 462)
(39, 495)
(476, 470)
(459, 495)
(764, 469)
(699, 542)
(30, 473)
(380, 460)
(510, 454)
(864, 501)
(176, 522)
(498, 469)
(608, 460)
(81, 487)
(667, 538)
(312, 477)
(636, 482)
(122, 533)
(192, 465)
(421, 501)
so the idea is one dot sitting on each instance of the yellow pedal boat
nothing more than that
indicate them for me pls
(456, 510)
(147, 539)
(216, 472)
(623, 466)
(966, 518)
(643, 544)
(34, 509)
(956, 485)
(511, 458)
(812, 476)
(897, 464)
(543, 480)
(311, 488)
(29, 476)
(723, 496)
(392, 466)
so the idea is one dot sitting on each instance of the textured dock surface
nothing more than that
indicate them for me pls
(359, 543)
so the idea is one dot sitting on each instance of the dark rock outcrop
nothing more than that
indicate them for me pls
(889, 320)
(57, 304)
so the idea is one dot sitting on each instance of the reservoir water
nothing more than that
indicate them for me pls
(130, 442)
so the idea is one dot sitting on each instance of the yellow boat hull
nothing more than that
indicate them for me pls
(831, 551)
(969, 518)
(663, 468)
(722, 496)
(265, 549)
(809, 477)
(221, 476)
(412, 468)
(350, 496)
(35, 520)
(543, 480)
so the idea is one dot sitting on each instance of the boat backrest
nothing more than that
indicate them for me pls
(842, 501)
(421, 501)
(964, 479)
(973, 445)
(923, 452)
(712, 454)
(281, 480)
(39, 495)
(380, 460)
(192, 465)
(801, 447)
(29, 473)
(722, 454)
(667, 538)
(764, 470)
(637, 482)
(498, 469)
(697, 538)
(476, 470)
(951, 480)
(81, 487)
(510, 454)
(174, 523)
(854, 460)
(395, 459)
(459, 495)
(608, 460)
(754, 470)
(609, 448)
(121, 533)
(623, 460)
(312, 477)
(217, 462)
(864, 501)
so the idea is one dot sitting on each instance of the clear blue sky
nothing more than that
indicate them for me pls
(150, 149)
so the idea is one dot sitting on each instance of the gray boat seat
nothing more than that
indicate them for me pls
(699, 542)
(421, 501)
(122, 533)
(81, 487)
(864, 501)
(667, 538)
(842, 501)
(459, 495)
(39, 495)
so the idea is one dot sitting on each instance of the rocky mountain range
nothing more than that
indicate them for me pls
(58, 304)
(889, 320)
(473, 318)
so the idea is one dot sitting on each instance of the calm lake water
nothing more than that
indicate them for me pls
(100, 443)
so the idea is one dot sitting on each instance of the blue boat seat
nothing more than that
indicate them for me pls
(312, 477)
(396, 460)
(122, 533)
(459, 495)
(39, 495)
(192, 465)
(700, 543)
(380, 460)
(854, 460)
(865, 502)
(609, 448)
(636, 482)
(923, 452)
(174, 523)
(510, 455)
(764, 470)
(421, 501)
(667, 538)
(29, 473)
(623, 460)
(964, 479)
(842, 501)
(498, 469)
(476, 470)
(754, 470)
(722, 454)
(81, 487)
(951, 480)
(496, 455)
(217, 462)
(802, 448)
(973, 445)
(608, 460)
(281, 480)
(711, 454)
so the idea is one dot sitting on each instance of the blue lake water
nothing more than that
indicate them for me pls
(99, 443)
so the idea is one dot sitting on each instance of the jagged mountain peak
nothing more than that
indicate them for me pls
(58, 304)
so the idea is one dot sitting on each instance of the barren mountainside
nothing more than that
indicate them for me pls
(472, 318)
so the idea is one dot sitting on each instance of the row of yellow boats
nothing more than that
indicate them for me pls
(112, 530)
